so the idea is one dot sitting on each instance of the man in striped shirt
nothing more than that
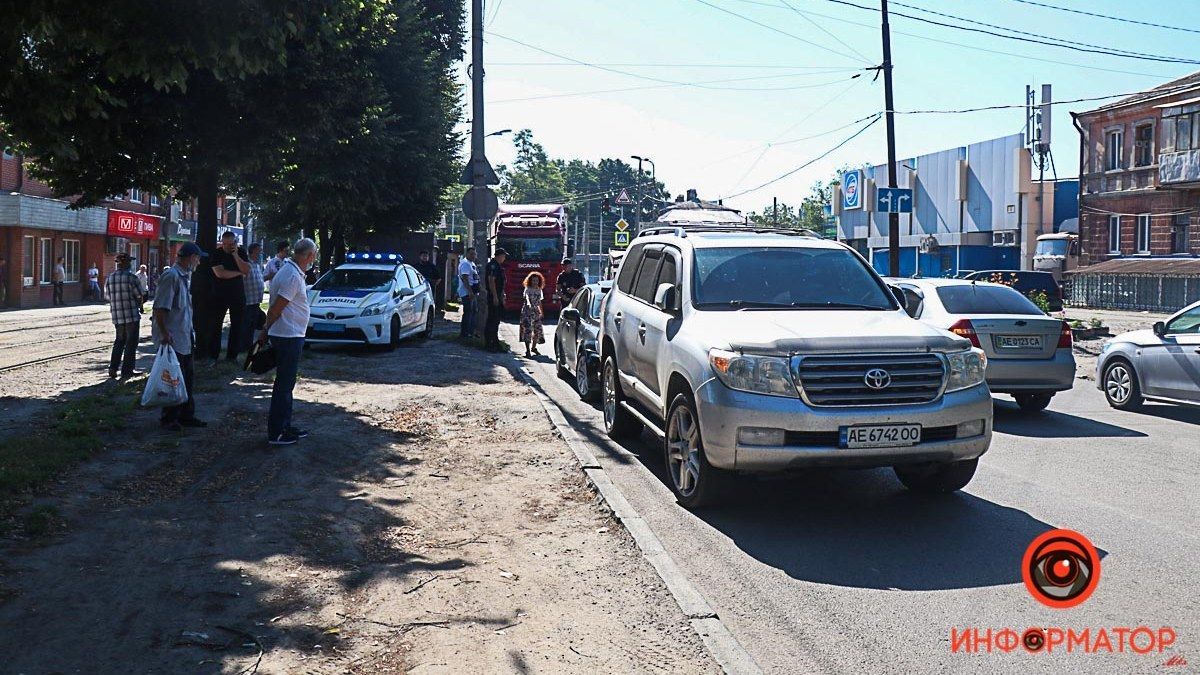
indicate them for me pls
(125, 298)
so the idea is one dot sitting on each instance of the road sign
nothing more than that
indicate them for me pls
(621, 239)
(893, 200)
(622, 225)
(480, 203)
(623, 198)
(852, 190)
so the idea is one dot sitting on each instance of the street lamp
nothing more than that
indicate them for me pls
(499, 133)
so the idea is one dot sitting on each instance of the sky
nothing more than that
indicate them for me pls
(727, 95)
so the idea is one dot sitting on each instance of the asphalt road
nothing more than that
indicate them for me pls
(840, 571)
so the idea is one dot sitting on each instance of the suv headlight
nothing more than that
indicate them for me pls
(966, 369)
(375, 309)
(769, 375)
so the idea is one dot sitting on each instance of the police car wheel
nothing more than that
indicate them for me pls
(394, 336)
(428, 333)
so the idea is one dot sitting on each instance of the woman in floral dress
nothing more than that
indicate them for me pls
(531, 313)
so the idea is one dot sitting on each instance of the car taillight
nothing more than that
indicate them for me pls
(1064, 338)
(963, 328)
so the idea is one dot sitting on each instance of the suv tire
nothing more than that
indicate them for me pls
(1032, 403)
(1120, 385)
(938, 477)
(583, 379)
(694, 481)
(618, 422)
(560, 365)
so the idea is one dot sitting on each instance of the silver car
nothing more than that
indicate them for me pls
(1160, 363)
(751, 351)
(1029, 354)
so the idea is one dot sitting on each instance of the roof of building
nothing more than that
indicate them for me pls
(1176, 267)
(1190, 82)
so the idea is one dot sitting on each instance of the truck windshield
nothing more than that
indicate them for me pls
(354, 280)
(532, 249)
(785, 278)
(1052, 247)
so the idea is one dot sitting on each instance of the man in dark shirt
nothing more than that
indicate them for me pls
(428, 270)
(229, 265)
(494, 280)
(569, 282)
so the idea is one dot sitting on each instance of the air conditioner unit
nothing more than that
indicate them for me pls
(928, 244)
(1004, 238)
(26, 281)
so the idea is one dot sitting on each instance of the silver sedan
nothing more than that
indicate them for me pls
(1029, 354)
(1160, 363)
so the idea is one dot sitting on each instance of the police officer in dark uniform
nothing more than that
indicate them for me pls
(569, 282)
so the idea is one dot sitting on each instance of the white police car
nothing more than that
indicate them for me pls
(373, 298)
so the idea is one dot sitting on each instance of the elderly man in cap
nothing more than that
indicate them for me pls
(287, 321)
(173, 326)
(125, 297)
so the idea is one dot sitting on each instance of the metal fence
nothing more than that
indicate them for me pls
(1141, 292)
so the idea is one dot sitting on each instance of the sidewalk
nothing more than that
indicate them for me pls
(434, 522)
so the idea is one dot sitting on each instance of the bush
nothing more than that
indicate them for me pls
(1095, 323)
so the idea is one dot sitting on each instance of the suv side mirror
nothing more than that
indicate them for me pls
(1160, 328)
(569, 314)
(666, 298)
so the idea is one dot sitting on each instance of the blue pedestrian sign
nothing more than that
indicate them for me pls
(893, 200)
(852, 190)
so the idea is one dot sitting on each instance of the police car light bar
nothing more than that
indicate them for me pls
(394, 258)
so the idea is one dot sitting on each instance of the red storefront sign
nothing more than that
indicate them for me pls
(130, 224)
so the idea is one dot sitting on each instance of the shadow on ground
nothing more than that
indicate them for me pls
(1010, 419)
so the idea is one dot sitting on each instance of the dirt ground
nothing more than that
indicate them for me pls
(433, 522)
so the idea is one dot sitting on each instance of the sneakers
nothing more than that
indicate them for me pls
(285, 438)
(298, 433)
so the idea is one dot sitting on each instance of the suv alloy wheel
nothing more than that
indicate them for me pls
(618, 422)
(693, 480)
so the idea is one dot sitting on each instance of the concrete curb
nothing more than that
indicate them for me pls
(724, 648)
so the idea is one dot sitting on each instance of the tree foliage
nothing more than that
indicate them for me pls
(809, 215)
(534, 177)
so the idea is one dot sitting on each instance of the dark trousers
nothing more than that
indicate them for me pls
(183, 411)
(467, 328)
(250, 316)
(491, 329)
(58, 293)
(287, 364)
(124, 347)
(236, 309)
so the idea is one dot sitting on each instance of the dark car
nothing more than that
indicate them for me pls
(1026, 282)
(575, 349)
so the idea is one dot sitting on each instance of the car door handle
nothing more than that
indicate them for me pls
(642, 332)
(617, 318)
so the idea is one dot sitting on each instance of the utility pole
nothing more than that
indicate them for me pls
(889, 118)
(775, 211)
(481, 173)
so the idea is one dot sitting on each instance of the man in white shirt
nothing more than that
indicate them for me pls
(287, 321)
(468, 288)
(277, 262)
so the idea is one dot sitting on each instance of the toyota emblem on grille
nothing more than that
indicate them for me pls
(877, 378)
(329, 315)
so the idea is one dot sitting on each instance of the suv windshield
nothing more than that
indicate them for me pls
(354, 280)
(975, 299)
(785, 277)
(532, 249)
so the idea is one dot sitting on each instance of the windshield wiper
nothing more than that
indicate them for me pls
(836, 305)
(754, 304)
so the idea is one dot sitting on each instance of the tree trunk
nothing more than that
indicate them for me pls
(202, 279)
(326, 246)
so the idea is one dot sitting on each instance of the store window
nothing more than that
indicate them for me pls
(26, 261)
(71, 260)
(47, 261)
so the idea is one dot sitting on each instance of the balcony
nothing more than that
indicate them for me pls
(1179, 167)
(50, 214)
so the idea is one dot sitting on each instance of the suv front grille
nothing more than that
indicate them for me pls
(842, 380)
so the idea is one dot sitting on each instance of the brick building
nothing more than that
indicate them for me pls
(36, 229)
(1140, 176)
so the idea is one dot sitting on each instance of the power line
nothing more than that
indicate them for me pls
(1073, 47)
(826, 31)
(773, 29)
(809, 162)
(1022, 32)
(1106, 16)
(763, 66)
(1028, 57)
(700, 85)
(1164, 92)
(495, 13)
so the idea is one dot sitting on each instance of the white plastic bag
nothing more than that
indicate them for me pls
(165, 386)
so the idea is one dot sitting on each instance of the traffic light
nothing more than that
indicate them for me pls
(605, 206)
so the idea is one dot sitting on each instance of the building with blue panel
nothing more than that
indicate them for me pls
(974, 208)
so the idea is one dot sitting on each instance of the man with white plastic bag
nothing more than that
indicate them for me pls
(173, 328)
(165, 387)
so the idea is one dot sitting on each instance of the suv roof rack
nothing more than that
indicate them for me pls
(682, 232)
